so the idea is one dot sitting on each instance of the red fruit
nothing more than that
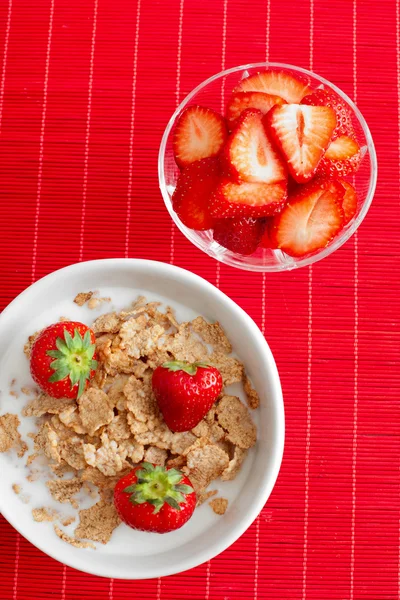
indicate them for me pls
(154, 498)
(278, 83)
(249, 153)
(266, 240)
(63, 359)
(341, 159)
(311, 218)
(185, 392)
(242, 235)
(193, 190)
(349, 203)
(302, 133)
(247, 199)
(199, 133)
(344, 126)
(241, 100)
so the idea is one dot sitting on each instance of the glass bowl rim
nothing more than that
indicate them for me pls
(323, 253)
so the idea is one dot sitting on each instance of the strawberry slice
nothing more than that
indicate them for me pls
(199, 133)
(194, 187)
(277, 83)
(344, 125)
(342, 158)
(266, 240)
(249, 153)
(241, 100)
(311, 219)
(241, 236)
(247, 199)
(349, 203)
(302, 133)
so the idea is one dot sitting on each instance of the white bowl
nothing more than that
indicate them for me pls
(131, 554)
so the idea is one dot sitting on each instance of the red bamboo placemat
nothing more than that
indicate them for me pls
(86, 89)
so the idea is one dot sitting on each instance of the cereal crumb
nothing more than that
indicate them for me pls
(234, 418)
(29, 344)
(64, 491)
(17, 488)
(9, 434)
(219, 505)
(27, 391)
(95, 409)
(44, 514)
(204, 496)
(253, 399)
(31, 458)
(82, 297)
(98, 522)
(14, 394)
(46, 404)
(67, 521)
(71, 540)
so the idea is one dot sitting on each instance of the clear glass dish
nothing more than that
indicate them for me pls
(213, 93)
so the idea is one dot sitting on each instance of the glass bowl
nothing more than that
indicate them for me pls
(212, 93)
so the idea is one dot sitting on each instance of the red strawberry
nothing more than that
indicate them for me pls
(154, 498)
(344, 126)
(185, 392)
(249, 153)
(349, 203)
(240, 235)
(199, 133)
(247, 199)
(278, 83)
(266, 240)
(302, 133)
(241, 100)
(193, 190)
(311, 218)
(341, 159)
(63, 359)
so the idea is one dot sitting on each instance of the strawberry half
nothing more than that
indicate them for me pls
(199, 133)
(241, 236)
(303, 134)
(241, 100)
(266, 240)
(311, 218)
(277, 83)
(247, 199)
(342, 158)
(349, 202)
(192, 194)
(249, 153)
(344, 125)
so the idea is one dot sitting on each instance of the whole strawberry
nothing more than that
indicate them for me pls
(63, 359)
(185, 392)
(154, 498)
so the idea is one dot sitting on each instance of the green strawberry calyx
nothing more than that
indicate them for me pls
(181, 365)
(73, 359)
(158, 486)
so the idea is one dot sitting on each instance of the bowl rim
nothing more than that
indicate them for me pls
(267, 480)
(192, 236)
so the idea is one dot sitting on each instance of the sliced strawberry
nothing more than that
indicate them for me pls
(199, 133)
(344, 125)
(241, 235)
(311, 218)
(241, 100)
(342, 158)
(249, 153)
(266, 240)
(349, 203)
(277, 83)
(194, 187)
(302, 133)
(247, 199)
